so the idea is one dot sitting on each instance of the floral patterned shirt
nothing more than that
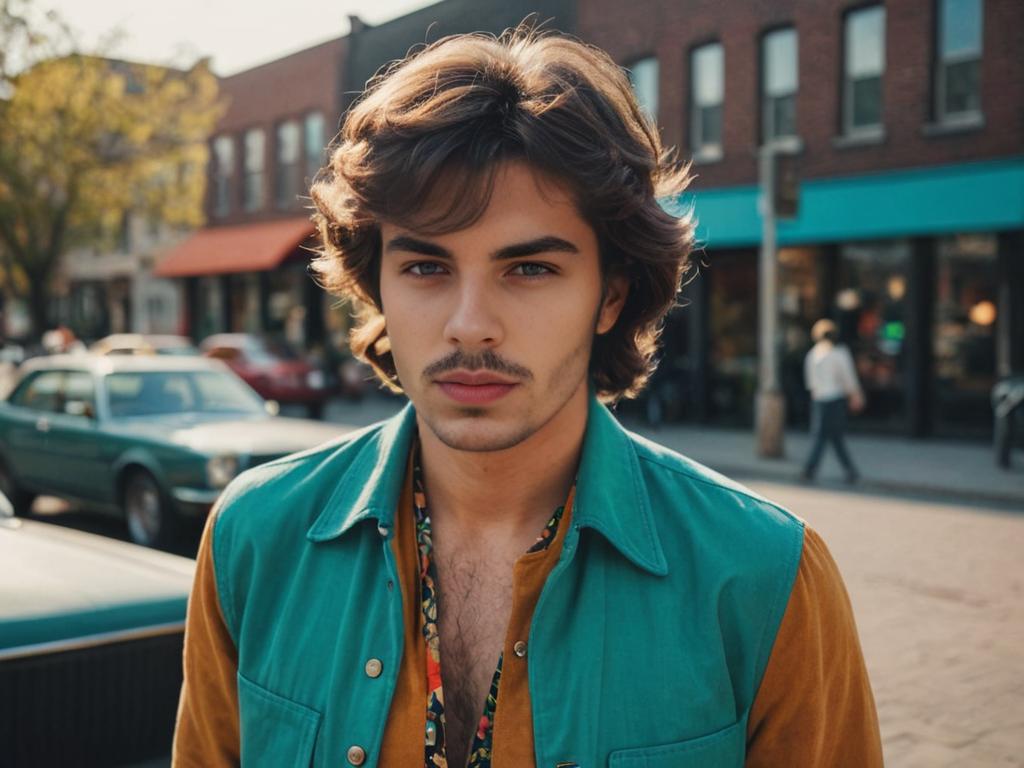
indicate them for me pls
(434, 750)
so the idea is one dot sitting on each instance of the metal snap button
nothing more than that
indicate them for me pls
(519, 649)
(356, 755)
(373, 668)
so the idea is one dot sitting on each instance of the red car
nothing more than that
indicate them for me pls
(273, 370)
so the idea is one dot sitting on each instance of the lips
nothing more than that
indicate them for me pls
(475, 388)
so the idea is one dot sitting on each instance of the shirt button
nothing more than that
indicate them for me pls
(383, 530)
(373, 668)
(356, 755)
(519, 649)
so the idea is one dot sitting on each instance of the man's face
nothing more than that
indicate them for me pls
(491, 326)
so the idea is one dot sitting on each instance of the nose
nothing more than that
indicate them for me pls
(474, 322)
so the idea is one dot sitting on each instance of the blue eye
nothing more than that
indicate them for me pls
(426, 269)
(530, 269)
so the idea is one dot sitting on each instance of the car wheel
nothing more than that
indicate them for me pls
(150, 519)
(20, 499)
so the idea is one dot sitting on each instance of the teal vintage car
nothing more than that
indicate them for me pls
(151, 438)
(91, 635)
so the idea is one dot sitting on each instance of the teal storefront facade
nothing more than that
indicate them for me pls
(922, 268)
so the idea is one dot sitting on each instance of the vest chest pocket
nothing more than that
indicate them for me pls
(722, 749)
(275, 731)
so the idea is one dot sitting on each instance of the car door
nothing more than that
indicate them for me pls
(74, 448)
(29, 417)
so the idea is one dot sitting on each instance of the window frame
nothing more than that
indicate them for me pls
(286, 181)
(848, 129)
(643, 60)
(253, 186)
(313, 156)
(767, 100)
(223, 177)
(701, 150)
(942, 61)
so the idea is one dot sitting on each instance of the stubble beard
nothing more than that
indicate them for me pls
(473, 434)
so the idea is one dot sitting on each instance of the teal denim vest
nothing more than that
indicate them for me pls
(648, 642)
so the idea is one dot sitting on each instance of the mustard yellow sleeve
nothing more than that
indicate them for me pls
(207, 733)
(815, 706)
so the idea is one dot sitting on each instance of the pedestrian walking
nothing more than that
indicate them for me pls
(501, 573)
(830, 376)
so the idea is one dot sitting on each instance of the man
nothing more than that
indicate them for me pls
(830, 376)
(501, 575)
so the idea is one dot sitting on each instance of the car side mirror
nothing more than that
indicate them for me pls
(79, 408)
(272, 406)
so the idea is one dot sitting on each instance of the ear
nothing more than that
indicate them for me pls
(615, 293)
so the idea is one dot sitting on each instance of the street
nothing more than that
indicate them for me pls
(937, 590)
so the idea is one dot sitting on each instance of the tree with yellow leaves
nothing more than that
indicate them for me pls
(84, 139)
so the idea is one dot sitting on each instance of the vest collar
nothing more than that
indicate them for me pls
(611, 496)
(371, 486)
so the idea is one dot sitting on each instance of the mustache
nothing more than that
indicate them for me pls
(486, 360)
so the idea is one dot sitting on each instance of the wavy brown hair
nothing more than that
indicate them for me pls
(420, 148)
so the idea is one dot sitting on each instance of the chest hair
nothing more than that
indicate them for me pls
(474, 604)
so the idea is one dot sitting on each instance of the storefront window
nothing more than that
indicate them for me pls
(964, 334)
(210, 300)
(245, 303)
(800, 306)
(871, 308)
(286, 307)
(732, 317)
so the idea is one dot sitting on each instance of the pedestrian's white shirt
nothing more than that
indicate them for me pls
(829, 372)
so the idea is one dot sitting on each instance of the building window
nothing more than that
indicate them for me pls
(779, 84)
(224, 170)
(872, 311)
(965, 317)
(643, 74)
(958, 66)
(313, 140)
(254, 153)
(864, 66)
(286, 181)
(707, 86)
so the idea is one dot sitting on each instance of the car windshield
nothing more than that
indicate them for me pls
(155, 393)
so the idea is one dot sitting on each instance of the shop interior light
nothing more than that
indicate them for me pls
(896, 287)
(982, 313)
(848, 299)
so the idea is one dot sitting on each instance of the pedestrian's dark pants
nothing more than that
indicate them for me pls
(828, 422)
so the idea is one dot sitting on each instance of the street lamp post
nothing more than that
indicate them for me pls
(770, 405)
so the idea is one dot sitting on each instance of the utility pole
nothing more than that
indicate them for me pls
(779, 196)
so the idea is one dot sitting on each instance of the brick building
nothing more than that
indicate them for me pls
(906, 119)
(246, 270)
(907, 123)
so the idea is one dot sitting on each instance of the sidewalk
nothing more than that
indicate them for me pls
(951, 470)
(954, 471)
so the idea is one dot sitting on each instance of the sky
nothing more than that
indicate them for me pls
(236, 35)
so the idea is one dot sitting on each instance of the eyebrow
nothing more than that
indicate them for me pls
(545, 244)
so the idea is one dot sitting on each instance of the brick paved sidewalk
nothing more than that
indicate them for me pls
(948, 469)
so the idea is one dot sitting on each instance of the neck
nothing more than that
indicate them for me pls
(512, 492)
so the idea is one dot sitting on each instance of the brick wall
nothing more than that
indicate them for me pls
(267, 95)
(669, 29)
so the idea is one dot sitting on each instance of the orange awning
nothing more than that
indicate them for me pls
(253, 247)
